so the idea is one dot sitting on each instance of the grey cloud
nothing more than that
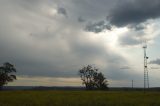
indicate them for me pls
(97, 27)
(125, 67)
(114, 72)
(89, 52)
(134, 12)
(139, 27)
(155, 68)
(91, 9)
(130, 13)
(44, 34)
(80, 19)
(129, 40)
(62, 11)
(26, 42)
(134, 36)
(157, 61)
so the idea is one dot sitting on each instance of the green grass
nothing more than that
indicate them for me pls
(79, 98)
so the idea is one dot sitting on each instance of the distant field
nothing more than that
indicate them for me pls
(79, 98)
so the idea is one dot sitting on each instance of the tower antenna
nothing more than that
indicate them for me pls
(146, 77)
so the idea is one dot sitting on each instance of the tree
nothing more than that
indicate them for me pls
(6, 75)
(92, 79)
(100, 81)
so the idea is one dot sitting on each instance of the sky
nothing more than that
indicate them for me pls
(48, 41)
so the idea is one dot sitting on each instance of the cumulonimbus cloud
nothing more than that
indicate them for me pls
(130, 13)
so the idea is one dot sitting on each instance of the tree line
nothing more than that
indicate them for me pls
(90, 76)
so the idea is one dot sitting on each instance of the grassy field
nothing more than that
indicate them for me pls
(79, 98)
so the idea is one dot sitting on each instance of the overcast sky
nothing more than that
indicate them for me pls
(50, 40)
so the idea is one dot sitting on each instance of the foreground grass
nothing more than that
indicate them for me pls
(78, 98)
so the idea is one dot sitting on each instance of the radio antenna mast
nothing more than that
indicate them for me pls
(146, 77)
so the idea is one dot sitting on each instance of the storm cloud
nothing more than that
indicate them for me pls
(97, 27)
(43, 46)
(127, 13)
(51, 38)
(133, 12)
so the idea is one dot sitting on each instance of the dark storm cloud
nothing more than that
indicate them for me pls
(130, 13)
(91, 9)
(133, 12)
(97, 27)
(157, 61)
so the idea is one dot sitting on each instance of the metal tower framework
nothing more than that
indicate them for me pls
(146, 77)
